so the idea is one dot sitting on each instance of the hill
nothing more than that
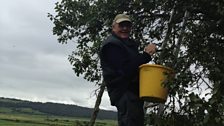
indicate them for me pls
(55, 108)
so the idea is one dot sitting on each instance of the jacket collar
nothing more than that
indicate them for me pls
(128, 41)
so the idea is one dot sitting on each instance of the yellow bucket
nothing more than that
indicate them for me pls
(152, 78)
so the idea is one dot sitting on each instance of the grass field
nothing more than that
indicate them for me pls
(29, 117)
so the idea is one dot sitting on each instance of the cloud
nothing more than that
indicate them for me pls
(33, 65)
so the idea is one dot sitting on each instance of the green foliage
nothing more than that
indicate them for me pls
(199, 66)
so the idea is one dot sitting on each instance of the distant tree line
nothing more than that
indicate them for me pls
(56, 109)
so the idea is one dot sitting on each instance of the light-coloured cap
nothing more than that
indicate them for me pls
(122, 17)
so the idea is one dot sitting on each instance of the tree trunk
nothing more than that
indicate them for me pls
(97, 104)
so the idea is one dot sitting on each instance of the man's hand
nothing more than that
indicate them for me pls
(150, 49)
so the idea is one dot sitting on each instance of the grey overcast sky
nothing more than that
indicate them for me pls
(33, 65)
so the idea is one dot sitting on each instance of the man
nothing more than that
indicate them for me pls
(120, 61)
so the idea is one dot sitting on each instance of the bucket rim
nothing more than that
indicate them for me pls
(156, 65)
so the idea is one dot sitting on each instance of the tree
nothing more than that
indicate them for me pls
(199, 66)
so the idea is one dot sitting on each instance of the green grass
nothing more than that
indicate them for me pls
(29, 117)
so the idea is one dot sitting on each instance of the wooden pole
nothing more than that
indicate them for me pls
(97, 104)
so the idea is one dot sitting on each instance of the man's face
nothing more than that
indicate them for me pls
(122, 29)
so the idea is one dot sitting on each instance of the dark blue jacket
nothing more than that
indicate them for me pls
(120, 61)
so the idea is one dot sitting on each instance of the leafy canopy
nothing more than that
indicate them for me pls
(196, 93)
